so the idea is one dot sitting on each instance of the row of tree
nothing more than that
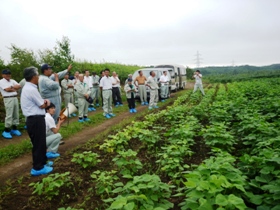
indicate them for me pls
(59, 57)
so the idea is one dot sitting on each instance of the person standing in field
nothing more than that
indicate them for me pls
(128, 77)
(106, 85)
(53, 138)
(102, 74)
(141, 79)
(88, 81)
(9, 88)
(74, 81)
(130, 95)
(68, 90)
(117, 100)
(198, 82)
(49, 86)
(164, 88)
(33, 108)
(152, 83)
(83, 93)
(95, 87)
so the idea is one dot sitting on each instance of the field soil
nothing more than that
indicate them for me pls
(19, 169)
(21, 166)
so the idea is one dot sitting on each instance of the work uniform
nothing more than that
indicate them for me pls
(49, 89)
(106, 84)
(67, 91)
(11, 106)
(164, 81)
(52, 139)
(153, 91)
(95, 89)
(82, 89)
(75, 81)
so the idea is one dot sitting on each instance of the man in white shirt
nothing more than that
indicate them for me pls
(164, 82)
(53, 137)
(106, 90)
(8, 88)
(116, 84)
(198, 82)
(152, 83)
(88, 81)
(33, 108)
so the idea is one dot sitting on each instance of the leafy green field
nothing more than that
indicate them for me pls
(220, 151)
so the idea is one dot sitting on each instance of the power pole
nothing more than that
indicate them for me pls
(198, 59)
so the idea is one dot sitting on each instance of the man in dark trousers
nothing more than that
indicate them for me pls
(33, 108)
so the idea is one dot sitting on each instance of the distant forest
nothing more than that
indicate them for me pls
(226, 74)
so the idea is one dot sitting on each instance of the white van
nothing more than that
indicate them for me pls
(178, 75)
(146, 73)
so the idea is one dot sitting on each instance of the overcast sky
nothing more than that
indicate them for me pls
(224, 32)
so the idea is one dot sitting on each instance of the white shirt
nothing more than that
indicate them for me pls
(106, 83)
(31, 100)
(88, 80)
(115, 80)
(198, 79)
(50, 123)
(164, 79)
(7, 84)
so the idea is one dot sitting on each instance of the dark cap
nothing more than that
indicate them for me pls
(129, 80)
(6, 71)
(45, 67)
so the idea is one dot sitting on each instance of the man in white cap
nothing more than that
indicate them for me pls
(8, 88)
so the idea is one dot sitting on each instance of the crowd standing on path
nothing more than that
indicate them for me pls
(40, 97)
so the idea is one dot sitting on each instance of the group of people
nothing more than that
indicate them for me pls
(40, 98)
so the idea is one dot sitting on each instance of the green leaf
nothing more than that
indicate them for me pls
(119, 203)
(221, 200)
(237, 202)
(190, 184)
(129, 206)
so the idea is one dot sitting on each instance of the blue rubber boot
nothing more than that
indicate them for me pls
(52, 155)
(42, 171)
(15, 133)
(107, 116)
(7, 135)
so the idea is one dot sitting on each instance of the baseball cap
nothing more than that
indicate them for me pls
(6, 71)
(129, 80)
(45, 67)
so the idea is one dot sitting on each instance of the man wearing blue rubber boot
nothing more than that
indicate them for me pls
(83, 92)
(130, 95)
(33, 108)
(53, 137)
(8, 88)
(106, 90)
